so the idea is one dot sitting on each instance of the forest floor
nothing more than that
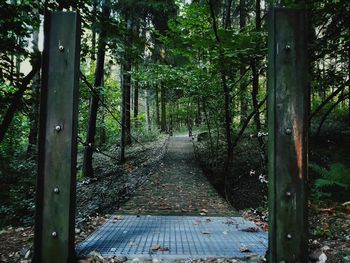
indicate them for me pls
(113, 185)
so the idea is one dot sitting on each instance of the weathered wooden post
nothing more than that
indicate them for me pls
(288, 102)
(55, 207)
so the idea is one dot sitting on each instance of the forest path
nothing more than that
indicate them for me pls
(178, 187)
(176, 215)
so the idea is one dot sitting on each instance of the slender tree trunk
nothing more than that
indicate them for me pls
(149, 124)
(242, 68)
(125, 132)
(34, 113)
(136, 104)
(93, 29)
(198, 113)
(126, 106)
(163, 109)
(102, 129)
(157, 107)
(349, 82)
(126, 92)
(228, 119)
(94, 100)
(255, 71)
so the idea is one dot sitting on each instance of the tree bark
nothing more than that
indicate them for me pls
(99, 72)
(136, 104)
(242, 68)
(149, 124)
(157, 107)
(102, 129)
(163, 109)
(93, 30)
(34, 112)
(255, 71)
(125, 138)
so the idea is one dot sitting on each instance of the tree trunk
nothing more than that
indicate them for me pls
(93, 30)
(136, 104)
(255, 72)
(102, 129)
(34, 112)
(125, 138)
(163, 127)
(149, 124)
(99, 72)
(157, 107)
(242, 68)
(349, 83)
(228, 119)
(126, 105)
(198, 113)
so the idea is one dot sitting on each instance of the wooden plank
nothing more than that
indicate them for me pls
(55, 207)
(287, 121)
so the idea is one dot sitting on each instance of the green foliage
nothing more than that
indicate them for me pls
(334, 179)
(17, 194)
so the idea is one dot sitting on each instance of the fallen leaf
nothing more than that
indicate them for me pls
(244, 249)
(206, 232)
(250, 229)
(204, 211)
(155, 247)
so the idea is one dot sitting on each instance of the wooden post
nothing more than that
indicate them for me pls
(288, 102)
(55, 204)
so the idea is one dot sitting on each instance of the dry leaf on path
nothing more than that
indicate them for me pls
(244, 249)
(155, 247)
(250, 229)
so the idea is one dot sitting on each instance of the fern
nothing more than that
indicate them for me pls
(338, 175)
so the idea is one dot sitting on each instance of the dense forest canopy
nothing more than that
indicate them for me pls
(163, 66)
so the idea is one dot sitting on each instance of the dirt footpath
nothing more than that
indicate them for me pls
(178, 187)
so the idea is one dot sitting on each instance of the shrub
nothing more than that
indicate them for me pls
(333, 182)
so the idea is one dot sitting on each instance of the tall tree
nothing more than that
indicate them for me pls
(34, 112)
(255, 70)
(242, 67)
(95, 97)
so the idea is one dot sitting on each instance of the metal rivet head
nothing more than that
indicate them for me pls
(58, 128)
(288, 194)
(56, 190)
(287, 47)
(288, 131)
(289, 236)
(61, 48)
(54, 234)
